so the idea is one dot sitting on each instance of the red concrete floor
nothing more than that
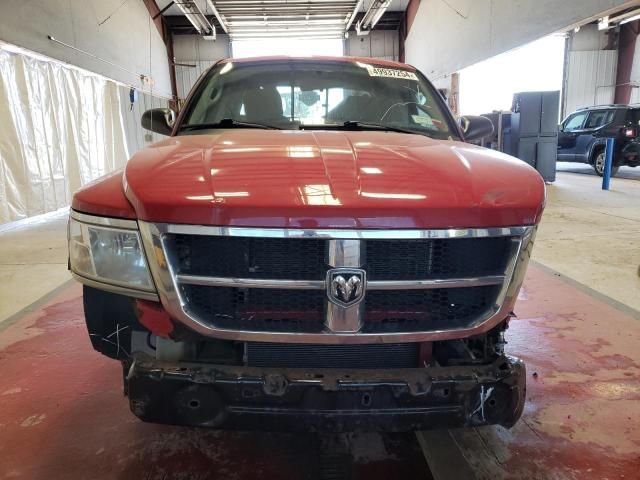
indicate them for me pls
(62, 414)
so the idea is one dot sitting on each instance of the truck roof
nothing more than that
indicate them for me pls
(276, 58)
(608, 107)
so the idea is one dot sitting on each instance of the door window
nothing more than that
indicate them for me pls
(598, 119)
(574, 122)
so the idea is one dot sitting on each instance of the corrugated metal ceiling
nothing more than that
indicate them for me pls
(281, 18)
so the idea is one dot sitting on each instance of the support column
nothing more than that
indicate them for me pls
(167, 37)
(626, 52)
(405, 25)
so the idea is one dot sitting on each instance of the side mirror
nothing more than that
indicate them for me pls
(159, 120)
(475, 128)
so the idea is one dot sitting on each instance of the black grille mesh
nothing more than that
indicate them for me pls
(305, 259)
(436, 258)
(266, 258)
(282, 355)
(423, 310)
(257, 309)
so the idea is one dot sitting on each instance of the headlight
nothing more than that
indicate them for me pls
(108, 253)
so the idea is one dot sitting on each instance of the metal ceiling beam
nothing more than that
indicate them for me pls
(181, 25)
(356, 9)
(219, 17)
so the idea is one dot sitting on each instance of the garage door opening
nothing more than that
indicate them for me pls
(295, 47)
(490, 85)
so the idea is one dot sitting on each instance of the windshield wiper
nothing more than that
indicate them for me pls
(227, 123)
(356, 125)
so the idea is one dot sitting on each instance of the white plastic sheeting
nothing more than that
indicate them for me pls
(60, 128)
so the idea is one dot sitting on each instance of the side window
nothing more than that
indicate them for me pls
(574, 122)
(598, 119)
(635, 116)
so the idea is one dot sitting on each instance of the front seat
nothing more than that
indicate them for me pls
(263, 105)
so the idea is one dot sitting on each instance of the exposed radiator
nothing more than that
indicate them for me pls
(372, 356)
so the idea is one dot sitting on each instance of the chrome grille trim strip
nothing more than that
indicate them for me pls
(321, 285)
(153, 237)
(251, 282)
(343, 234)
(433, 284)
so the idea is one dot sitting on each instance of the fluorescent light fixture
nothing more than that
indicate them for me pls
(371, 170)
(373, 15)
(196, 17)
(630, 19)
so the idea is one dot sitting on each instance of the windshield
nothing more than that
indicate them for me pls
(301, 94)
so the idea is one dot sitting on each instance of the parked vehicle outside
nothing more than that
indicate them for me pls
(314, 247)
(583, 135)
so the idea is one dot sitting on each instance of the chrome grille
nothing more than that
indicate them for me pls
(274, 285)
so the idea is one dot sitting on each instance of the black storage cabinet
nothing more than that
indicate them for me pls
(534, 130)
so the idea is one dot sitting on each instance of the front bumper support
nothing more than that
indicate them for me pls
(248, 398)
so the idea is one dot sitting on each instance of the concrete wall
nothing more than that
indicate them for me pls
(379, 44)
(128, 39)
(448, 36)
(194, 50)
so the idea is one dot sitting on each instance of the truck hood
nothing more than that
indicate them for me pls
(330, 179)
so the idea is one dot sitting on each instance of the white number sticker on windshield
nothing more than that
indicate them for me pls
(391, 73)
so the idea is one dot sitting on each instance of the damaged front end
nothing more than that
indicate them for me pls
(326, 400)
(282, 387)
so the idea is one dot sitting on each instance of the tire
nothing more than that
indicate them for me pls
(599, 161)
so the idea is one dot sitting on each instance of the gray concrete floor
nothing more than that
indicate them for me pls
(593, 236)
(631, 173)
(33, 260)
(587, 234)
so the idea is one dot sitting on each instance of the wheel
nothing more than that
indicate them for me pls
(598, 164)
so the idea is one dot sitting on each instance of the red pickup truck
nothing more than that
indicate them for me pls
(314, 247)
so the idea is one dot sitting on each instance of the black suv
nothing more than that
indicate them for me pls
(584, 133)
